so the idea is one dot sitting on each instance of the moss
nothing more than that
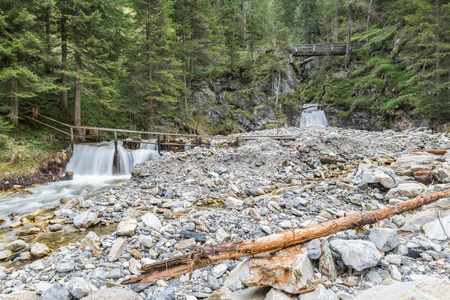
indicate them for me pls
(248, 115)
(345, 115)
(270, 125)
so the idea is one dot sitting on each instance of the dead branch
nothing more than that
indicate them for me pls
(330, 160)
(433, 151)
(203, 257)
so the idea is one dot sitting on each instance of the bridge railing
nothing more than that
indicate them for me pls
(319, 49)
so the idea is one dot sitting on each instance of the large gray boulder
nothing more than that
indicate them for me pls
(373, 174)
(85, 219)
(356, 254)
(384, 239)
(410, 189)
(407, 164)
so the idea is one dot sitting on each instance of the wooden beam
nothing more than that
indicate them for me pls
(203, 257)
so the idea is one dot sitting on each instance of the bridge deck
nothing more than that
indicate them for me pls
(318, 49)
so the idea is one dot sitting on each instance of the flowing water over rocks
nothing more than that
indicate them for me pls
(202, 197)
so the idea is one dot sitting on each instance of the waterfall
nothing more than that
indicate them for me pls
(98, 159)
(312, 116)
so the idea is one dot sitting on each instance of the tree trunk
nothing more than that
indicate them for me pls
(203, 257)
(244, 17)
(151, 109)
(77, 117)
(233, 40)
(14, 103)
(47, 40)
(335, 21)
(369, 14)
(349, 36)
(63, 57)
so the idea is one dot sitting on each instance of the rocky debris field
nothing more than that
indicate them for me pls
(204, 197)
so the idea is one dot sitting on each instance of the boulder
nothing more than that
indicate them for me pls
(219, 270)
(20, 295)
(92, 242)
(406, 190)
(234, 203)
(78, 287)
(290, 270)
(407, 164)
(126, 227)
(435, 229)
(39, 250)
(442, 173)
(424, 176)
(145, 241)
(152, 221)
(356, 254)
(65, 266)
(41, 287)
(56, 293)
(384, 239)
(314, 249)
(274, 294)
(113, 294)
(252, 293)
(425, 288)
(16, 245)
(85, 219)
(320, 293)
(5, 254)
(369, 174)
(116, 249)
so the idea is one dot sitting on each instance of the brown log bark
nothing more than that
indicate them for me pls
(330, 160)
(433, 151)
(306, 61)
(203, 257)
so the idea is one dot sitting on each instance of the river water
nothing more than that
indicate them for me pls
(312, 116)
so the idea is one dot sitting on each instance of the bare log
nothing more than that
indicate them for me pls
(330, 160)
(306, 61)
(433, 151)
(203, 257)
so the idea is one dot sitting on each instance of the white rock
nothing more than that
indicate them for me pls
(78, 287)
(39, 250)
(152, 221)
(113, 294)
(41, 287)
(320, 293)
(357, 254)
(37, 265)
(221, 235)
(407, 164)
(406, 190)
(434, 230)
(116, 249)
(145, 241)
(384, 239)
(234, 203)
(219, 270)
(426, 288)
(126, 227)
(85, 219)
(274, 294)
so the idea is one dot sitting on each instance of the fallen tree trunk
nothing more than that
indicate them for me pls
(203, 257)
(433, 151)
(330, 160)
(307, 60)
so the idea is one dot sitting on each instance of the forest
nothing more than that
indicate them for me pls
(138, 64)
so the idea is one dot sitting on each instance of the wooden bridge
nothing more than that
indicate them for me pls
(319, 49)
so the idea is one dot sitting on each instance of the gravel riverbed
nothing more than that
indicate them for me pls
(204, 197)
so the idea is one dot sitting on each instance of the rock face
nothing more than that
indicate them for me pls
(384, 239)
(357, 254)
(126, 227)
(289, 271)
(39, 250)
(426, 288)
(85, 219)
(113, 294)
(407, 164)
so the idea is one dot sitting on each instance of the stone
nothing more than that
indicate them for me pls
(314, 249)
(424, 176)
(114, 274)
(251, 293)
(113, 294)
(135, 266)
(374, 277)
(145, 241)
(189, 244)
(435, 230)
(91, 241)
(384, 239)
(16, 245)
(78, 287)
(406, 190)
(85, 219)
(37, 265)
(407, 164)
(5, 254)
(369, 174)
(327, 266)
(254, 212)
(425, 288)
(56, 293)
(116, 249)
(221, 170)
(285, 224)
(126, 227)
(357, 254)
(41, 287)
(320, 293)
(274, 294)
(65, 266)
(219, 270)
(290, 270)
(39, 250)
(442, 173)
(234, 203)
(152, 221)
(221, 235)
(20, 295)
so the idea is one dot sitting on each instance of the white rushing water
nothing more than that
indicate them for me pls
(93, 170)
(312, 116)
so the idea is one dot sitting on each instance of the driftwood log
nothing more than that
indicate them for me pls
(330, 160)
(203, 257)
(433, 151)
